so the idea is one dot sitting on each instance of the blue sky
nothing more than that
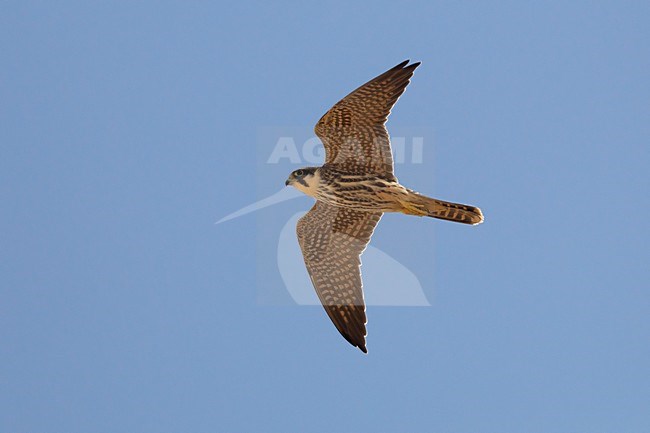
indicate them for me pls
(128, 129)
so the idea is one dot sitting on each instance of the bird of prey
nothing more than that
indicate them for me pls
(354, 187)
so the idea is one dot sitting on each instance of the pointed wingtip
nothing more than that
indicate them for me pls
(406, 62)
(405, 65)
(361, 344)
(413, 66)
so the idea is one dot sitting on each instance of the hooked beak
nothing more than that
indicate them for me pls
(287, 182)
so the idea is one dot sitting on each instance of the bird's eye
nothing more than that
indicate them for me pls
(299, 172)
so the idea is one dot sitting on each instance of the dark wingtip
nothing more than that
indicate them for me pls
(413, 66)
(404, 65)
(361, 345)
(401, 65)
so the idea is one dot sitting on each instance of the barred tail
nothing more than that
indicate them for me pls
(425, 206)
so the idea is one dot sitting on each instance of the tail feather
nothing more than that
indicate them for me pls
(425, 206)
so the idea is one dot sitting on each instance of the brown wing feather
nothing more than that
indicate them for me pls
(332, 240)
(353, 130)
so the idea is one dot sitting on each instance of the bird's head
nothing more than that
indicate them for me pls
(304, 179)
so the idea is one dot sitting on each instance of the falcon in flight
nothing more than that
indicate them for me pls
(354, 187)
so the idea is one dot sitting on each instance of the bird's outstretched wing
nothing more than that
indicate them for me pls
(353, 130)
(332, 240)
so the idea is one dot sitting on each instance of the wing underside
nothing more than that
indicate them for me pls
(332, 240)
(353, 130)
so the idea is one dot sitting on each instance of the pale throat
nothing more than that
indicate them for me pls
(312, 181)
